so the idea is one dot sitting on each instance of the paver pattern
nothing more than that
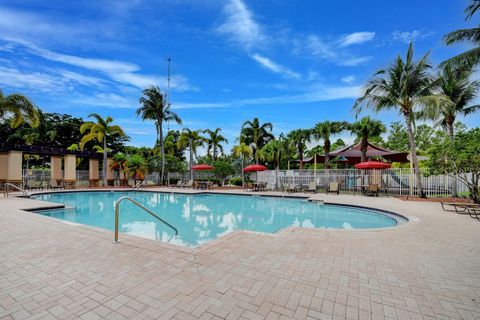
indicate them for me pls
(428, 268)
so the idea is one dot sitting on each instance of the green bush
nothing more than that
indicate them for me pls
(236, 181)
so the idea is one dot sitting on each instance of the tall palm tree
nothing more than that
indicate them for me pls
(364, 129)
(324, 131)
(191, 139)
(154, 107)
(20, 108)
(404, 86)
(256, 135)
(299, 139)
(274, 152)
(214, 142)
(243, 151)
(458, 91)
(471, 57)
(44, 134)
(100, 131)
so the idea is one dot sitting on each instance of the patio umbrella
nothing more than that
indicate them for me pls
(202, 167)
(254, 167)
(369, 165)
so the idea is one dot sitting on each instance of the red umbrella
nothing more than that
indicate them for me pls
(368, 165)
(202, 167)
(254, 167)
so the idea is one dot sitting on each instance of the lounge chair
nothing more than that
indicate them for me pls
(178, 185)
(459, 207)
(372, 190)
(474, 212)
(312, 187)
(333, 188)
(262, 186)
(55, 185)
(248, 186)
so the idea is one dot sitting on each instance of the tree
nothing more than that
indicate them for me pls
(274, 152)
(137, 165)
(459, 158)
(339, 143)
(120, 163)
(43, 134)
(155, 107)
(192, 139)
(214, 142)
(222, 169)
(19, 108)
(299, 139)
(403, 86)
(470, 58)
(99, 131)
(243, 151)
(256, 135)
(459, 92)
(364, 129)
(323, 131)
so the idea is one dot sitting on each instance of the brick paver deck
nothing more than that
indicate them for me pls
(428, 268)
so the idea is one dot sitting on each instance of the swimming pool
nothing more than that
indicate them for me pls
(201, 218)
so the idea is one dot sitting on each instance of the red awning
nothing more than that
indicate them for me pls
(368, 165)
(202, 167)
(254, 167)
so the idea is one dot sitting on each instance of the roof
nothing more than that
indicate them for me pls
(353, 153)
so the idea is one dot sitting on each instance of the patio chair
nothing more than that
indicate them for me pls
(333, 188)
(312, 187)
(178, 185)
(262, 186)
(459, 207)
(372, 190)
(474, 212)
(290, 188)
(248, 186)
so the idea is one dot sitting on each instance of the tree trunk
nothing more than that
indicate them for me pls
(451, 136)
(277, 168)
(190, 142)
(105, 182)
(243, 173)
(413, 152)
(162, 152)
(326, 148)
(364, 147)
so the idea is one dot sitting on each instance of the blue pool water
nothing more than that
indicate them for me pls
(202, 218)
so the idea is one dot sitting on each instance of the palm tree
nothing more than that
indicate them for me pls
(20, 108)
(274, 152)
(155, 107)
(242, 151)
(256, 135)
(470, 58)
(299, 139)
(191, 139)
(325, 130)
(214, 142)
(120, 163)
(44, 134)
(364, 129)
(404, 86)
(459, 91)
(138, 166)
(100, 131)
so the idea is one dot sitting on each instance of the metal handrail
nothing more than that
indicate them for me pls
(7, 184)
(117, 212)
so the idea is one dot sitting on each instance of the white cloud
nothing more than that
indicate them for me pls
(240, 25)
(356, 38)
(275, 67)
(410, 36)
(348, 79)
(14, 78)
(320, 48)
(80, 78)
(109, 100)
(119, 71)
(316, 93)
(353, 62)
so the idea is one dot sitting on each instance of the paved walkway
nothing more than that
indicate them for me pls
(428, 268)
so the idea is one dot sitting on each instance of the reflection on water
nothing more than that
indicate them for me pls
(202, 218)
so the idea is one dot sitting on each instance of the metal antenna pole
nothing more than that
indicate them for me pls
(168, 89)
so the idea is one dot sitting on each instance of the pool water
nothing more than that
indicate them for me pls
(205, 217)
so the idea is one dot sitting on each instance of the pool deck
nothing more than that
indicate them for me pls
(428, 268)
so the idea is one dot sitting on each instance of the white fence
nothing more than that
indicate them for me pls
(391, 181)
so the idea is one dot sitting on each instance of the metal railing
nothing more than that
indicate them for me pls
(14, 186)
(117, 212)
(139, 185)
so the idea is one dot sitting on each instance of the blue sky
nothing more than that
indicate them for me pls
(293, 63)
